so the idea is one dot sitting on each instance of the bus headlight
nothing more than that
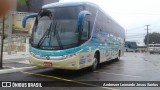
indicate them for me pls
(38, 56)
(56, 57)
(32, 53)
(74, 54)
(62, 57)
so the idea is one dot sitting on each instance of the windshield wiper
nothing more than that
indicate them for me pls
(51, 31)
(58, 37)
(44, 36)
(48, 32)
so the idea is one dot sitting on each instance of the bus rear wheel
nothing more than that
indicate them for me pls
(95, 63)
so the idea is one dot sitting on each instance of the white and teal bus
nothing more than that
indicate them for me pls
(73, 36)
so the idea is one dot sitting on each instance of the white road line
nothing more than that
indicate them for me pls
(137, 68)
(118, 74)
(24, 62)
(116, 67)
(13, 70)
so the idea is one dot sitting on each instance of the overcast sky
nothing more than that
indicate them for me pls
(133, 15)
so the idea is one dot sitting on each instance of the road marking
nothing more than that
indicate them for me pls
(68, 80)
(16, 62)
(132, 63)
(117, 74)
(130, 68)
(23, 63)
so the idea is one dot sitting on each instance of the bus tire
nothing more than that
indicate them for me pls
(95, 63)
(118, 58)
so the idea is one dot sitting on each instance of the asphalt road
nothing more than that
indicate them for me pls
(131, 67)
(17, 63)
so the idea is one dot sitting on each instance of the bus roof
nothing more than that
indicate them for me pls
(66, 4)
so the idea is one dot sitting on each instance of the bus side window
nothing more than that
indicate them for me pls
(85, 32)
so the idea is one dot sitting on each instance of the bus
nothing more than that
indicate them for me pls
(131, 46)
(74, 35)
(154, 48)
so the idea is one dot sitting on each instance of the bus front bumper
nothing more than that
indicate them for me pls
(71, 63)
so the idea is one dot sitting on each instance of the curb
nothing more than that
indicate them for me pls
(17, 70)
(15, 58)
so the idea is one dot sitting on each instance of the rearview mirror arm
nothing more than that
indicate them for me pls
(27, 17)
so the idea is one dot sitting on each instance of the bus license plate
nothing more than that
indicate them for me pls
(48, 64)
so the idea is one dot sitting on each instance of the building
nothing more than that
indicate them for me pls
(17, 36)
(31, 6)
(34, 5)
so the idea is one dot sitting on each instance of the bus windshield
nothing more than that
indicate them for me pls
(56, 28)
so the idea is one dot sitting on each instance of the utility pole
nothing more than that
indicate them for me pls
(147, 38)
(10, 21)
(2, 37)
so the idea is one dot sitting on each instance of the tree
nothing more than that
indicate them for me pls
(23, 3)
(4, 7)
(154, 38)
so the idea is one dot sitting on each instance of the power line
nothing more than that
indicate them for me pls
(136, 37)
(135, 13)
(136, 34)
(155, 24)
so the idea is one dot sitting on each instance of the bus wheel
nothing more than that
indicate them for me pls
(95, 63)
(118, 58)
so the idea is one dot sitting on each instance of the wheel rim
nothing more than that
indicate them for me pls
(95, 63)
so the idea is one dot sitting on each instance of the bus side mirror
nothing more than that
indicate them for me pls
(81, 22)
(86, 30)
(27, 17)
(81, 19)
